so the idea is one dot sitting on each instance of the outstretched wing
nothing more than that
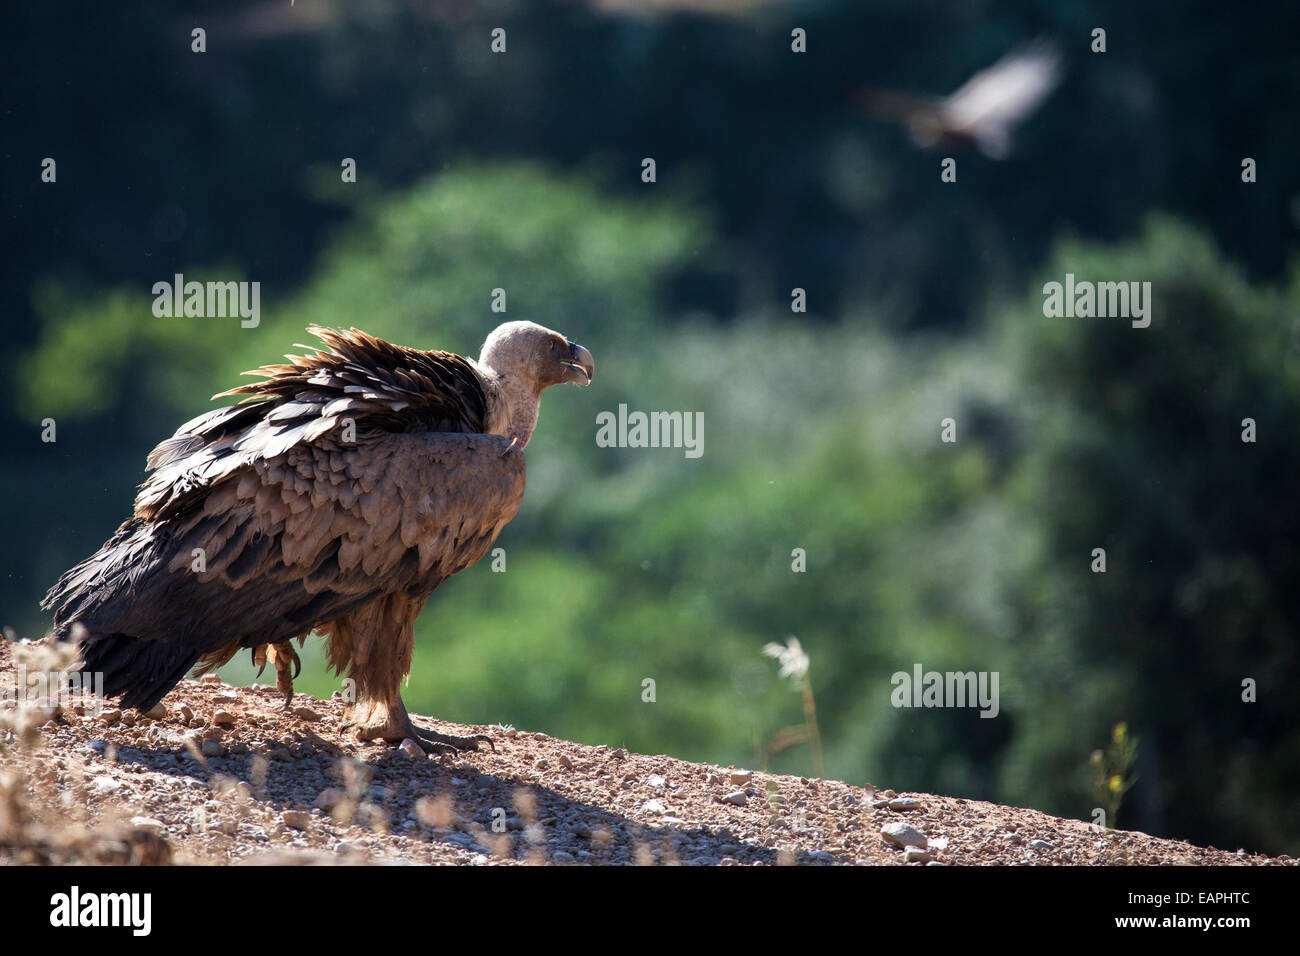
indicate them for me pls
(1007, 92)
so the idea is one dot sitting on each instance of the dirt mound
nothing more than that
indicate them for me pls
(221, 774)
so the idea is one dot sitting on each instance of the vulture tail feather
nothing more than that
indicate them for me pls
(141, 671)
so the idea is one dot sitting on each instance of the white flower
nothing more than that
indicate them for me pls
(794, 662)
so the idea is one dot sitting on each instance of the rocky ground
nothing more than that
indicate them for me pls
(220, 774)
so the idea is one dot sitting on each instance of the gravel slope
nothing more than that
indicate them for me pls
(223, 775)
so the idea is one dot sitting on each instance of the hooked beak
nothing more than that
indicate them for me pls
(579, 366)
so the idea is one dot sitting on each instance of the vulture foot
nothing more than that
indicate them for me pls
(375, 720)
(434, 742)
(287, 666)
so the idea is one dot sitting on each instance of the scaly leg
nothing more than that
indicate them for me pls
(376, 720)
(374, 646)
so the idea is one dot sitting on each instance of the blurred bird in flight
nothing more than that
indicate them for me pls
(981, 114)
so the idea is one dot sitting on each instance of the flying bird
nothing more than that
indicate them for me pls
(984, 111)
(335, 496)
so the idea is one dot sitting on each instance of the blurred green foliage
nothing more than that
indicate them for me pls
(627, 564)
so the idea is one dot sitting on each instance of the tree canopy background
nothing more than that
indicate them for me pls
(822, 429)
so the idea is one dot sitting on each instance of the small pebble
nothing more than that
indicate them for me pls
(903, 834)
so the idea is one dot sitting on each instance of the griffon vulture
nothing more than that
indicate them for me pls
(335, 496)
(984, 111)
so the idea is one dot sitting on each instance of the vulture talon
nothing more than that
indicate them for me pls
(436, 747)
(426, 737)
(372, 719)
(287, 667)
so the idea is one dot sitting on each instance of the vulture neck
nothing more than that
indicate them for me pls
(512, 406)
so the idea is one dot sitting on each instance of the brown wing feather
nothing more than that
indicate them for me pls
(269, 574)
(375, 384)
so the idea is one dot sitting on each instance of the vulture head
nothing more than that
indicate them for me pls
(525, 359)
(529, 354)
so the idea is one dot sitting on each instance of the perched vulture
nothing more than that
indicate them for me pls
(335, 496)
(983, 112)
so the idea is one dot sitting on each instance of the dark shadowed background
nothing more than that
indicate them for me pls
(522, 170)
